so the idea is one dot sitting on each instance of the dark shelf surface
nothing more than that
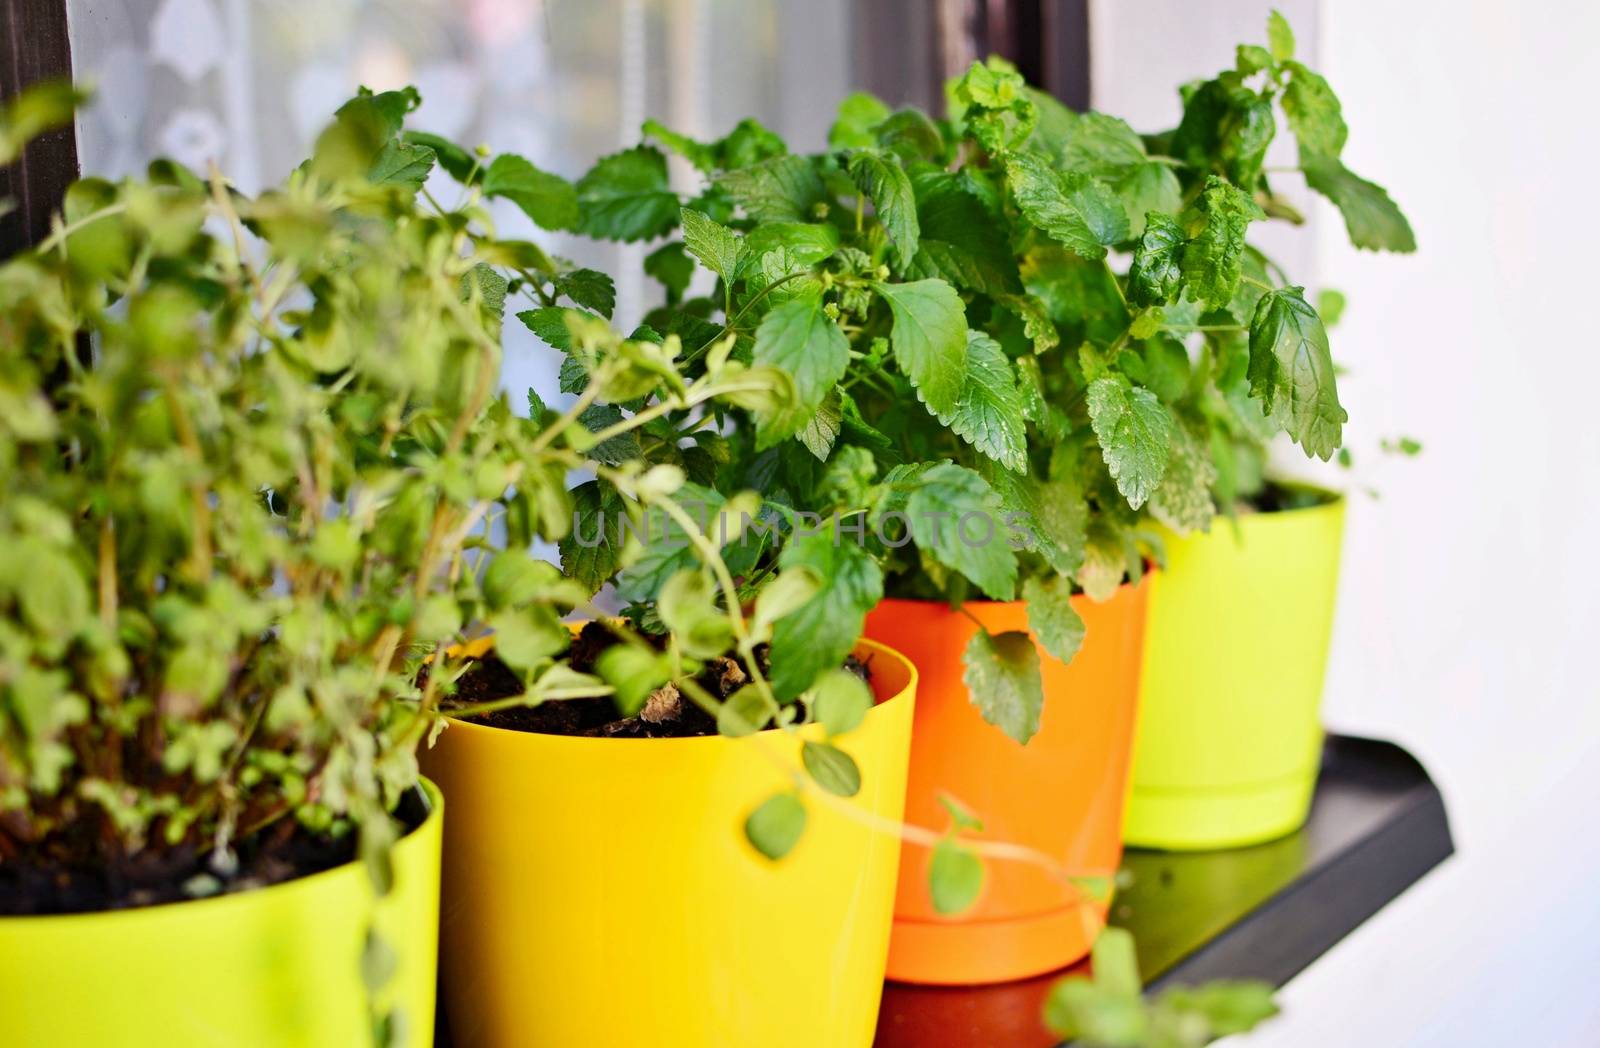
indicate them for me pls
(1377, 826)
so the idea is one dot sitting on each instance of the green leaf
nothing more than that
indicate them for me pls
(818, 635)
(1225, 1007)
(42, 107)
(1314, 113)
(1054, 514)
(526, 636)
(715, 245)
(886, 184)
(955, 876)
(590, 553)
(1156, 272)
(822, 429)
(688, 607)
(671, 265)
(798, 337)
(550, 200)
(626, 196)
(1103, 146)
(590, 289)
(1135, 435)
(1212, 257)
(1279, 36)
(805, 243)
(961, 241)
(961, 817)
(457, 161)
(1373, 220)
(1052, 617)
(1291, 371)
(775, 827)
(634, 671)
(400, 164)
(989, 413)
(855, 127)
(832, 768)
(1146, 189)
(1183, 501)
(1116, 962)
(956, 518)
(840, 701)
(1036, 322)
(697, 153)
(929, 339)
(1003, 681)
(514, 577)
(783, 189)
(1070, 207)
(1226, 128)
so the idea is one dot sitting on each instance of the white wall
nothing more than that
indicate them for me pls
(1469, 618)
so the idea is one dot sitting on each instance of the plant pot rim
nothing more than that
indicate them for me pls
(1125, 586)
(433, 802)
(484, 644)
(1330, 497)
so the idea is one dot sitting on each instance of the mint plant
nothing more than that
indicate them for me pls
(1036, 321)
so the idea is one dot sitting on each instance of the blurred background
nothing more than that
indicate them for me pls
(1469, 605)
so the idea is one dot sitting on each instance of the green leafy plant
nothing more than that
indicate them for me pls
(947, 300)
(258, 468)
(1107, 1009)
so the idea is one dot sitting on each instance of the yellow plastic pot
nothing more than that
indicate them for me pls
(1230, 733)
(276, 967)
(600, 892)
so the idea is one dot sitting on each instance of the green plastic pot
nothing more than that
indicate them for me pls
(265, 968)
(1230, 732)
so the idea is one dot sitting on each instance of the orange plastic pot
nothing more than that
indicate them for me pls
(1061, 794)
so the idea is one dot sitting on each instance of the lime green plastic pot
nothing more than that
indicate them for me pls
(1230, 733)
(276, 967)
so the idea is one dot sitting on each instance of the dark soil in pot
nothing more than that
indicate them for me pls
(55, 878)
(1280, 498)
(666, 715)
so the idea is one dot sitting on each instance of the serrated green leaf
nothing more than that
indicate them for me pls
(715, 245)
(590, 289)
(805, 243)
(1135, 435)
(1148, 188)
(700, 154)
(822, 429)
(955, 876)
(626, 196)
(590, 552)
(1314, 113)
(887, 185)
(1212, 256)
(671, 265)
(832, 768)
(1291, 371)
(398, 163)
(550, 200)
(1052, 617)
(1183, 500)
(799, 338)
(783, 189)
(956, 519)
(1036, 322)
(1003, 681)
(929, 339)
(1156, 272)
(1226, 128)
(989, 413)
(1072, 208)
(776, 827)
(855, 127)
(818, 635)
(960, 240)
(1373, 220)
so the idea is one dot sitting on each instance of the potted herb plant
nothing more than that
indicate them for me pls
(889, 279)
(1240, 622)
(596, 814)
(251, 450)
